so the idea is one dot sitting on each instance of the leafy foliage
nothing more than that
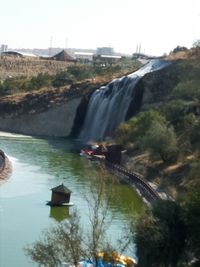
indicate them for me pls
(69, 241)
(22, 84)
(148, 238)
(161, 140)
(196, 43)
(60, 243)
(161, 235)
(72, 73)
(149, 130)
(187, 90)
(192, 204)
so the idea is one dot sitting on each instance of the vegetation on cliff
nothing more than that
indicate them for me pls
(169, 131)
(168, 135)
(44, 90)
(66, 76)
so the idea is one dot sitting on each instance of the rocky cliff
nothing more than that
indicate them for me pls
(48, 112)
(154, 88)
(61, 112)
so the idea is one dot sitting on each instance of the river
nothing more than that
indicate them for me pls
(39, 165)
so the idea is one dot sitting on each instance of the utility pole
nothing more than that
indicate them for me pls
(50, 47)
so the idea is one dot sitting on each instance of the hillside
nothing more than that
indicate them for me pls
(163, 139)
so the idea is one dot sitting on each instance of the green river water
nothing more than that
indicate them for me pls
(39, 165)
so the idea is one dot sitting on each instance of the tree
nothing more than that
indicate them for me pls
(196, 43)
(192, 209)
(195, 133)
(179, 49)
(161, 139)
(187, 90)
(98, 216)
(132, 130)
(174, 111)
(61, 243)
(161, 235)
(148, 238)
(150, 130)
(192, 206)
(171, 217)
(70, 242)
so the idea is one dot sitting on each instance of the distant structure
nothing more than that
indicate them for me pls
(138, 49)
(3, 48)
(106, 59)
(142, 56)
(13, 53)
(62, 56)
(105, 51)
(106, 55)
(84, 57)
(60, 196)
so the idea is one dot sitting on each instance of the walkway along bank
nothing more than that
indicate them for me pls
(147, 192)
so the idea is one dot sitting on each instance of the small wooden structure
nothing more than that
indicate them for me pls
(60, 196)
(114, 154)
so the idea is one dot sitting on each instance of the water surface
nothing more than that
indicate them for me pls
(39, 165)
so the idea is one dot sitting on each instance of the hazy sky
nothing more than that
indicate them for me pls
(159, 25)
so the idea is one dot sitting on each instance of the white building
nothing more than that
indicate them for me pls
(84, 56)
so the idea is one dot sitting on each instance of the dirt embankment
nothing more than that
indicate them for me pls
(46, 112)
(41, 100)
(5, 167)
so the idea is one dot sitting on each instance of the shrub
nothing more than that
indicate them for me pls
(161, 139)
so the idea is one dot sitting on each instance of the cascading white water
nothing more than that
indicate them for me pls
(109, 104)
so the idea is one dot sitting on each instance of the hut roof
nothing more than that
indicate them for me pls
(61, 189)
(63, 56)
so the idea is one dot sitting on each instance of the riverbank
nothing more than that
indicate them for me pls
(5, 168)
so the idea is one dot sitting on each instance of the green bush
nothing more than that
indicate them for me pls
(22, 84)
(161, 139)
(150, 130)
(161, 235)
(63, 78)
(187, 90)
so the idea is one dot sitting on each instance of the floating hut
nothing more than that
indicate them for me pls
(60, 196)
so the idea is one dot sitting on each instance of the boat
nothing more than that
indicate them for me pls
(113, 259)
(87, 153)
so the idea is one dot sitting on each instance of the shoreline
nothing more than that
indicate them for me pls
(6, 170)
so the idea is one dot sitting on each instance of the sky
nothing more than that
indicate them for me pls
(158, 26)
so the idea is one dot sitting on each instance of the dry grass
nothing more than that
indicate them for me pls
(192, 53)
(179, 55)
(15, 67)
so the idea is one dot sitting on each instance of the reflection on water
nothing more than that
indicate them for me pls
(59, 213)
(38, 166)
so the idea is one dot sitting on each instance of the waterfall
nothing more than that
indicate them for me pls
(109, 104)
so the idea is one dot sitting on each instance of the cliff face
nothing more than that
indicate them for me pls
(61, 112)
(44, 113)
(158, 85)
(153, 88)
(57, 121)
